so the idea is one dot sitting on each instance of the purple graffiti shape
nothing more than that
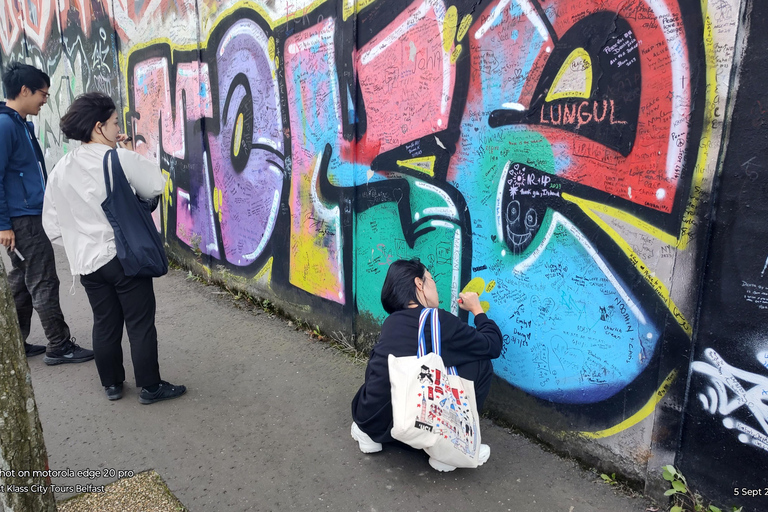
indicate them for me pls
(247, 154)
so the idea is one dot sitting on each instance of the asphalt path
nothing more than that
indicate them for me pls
(265, 424)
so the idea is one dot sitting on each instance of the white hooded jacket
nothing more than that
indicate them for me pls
(72, 213)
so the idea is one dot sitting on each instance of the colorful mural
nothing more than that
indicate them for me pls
(556, 156)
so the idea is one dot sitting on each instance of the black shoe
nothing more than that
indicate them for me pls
(71, 352)
(165, 391)
(115, 391)
(33, 350)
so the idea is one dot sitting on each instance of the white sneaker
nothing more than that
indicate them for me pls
(366, 444)
(482, 458)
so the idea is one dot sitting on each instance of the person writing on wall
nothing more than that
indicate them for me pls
(23, 177)
(408, 289)
(73, 217)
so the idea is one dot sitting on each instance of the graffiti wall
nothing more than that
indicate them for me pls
(555, 156)
(726, 415)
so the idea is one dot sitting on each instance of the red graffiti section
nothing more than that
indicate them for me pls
(615, 113)
(407, 79)
(11, 22)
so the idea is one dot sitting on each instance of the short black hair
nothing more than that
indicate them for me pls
(83, 114)
(399, 289)
(18, 75)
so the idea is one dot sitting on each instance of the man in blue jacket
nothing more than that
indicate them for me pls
(33, 278)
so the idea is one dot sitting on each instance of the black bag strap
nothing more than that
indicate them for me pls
(106, 173)
(111, 155)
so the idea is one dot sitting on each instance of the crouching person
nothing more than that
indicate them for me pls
(408, 289)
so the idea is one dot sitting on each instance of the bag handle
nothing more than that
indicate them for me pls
(109, 159)
(437, 344)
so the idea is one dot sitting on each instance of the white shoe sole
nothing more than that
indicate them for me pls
(483, 456)
(364, 442)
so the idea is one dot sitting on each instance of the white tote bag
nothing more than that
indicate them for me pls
(432, 407)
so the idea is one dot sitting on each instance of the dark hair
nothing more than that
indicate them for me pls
(399, 288)
(18, 75)
(83, 114)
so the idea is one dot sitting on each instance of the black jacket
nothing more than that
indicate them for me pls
(467, 348)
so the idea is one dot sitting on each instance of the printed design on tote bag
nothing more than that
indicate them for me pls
(444, 410)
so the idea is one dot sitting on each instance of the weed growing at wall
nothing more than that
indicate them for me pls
(685, 499)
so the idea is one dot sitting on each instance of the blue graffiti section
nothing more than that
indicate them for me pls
(574, 332)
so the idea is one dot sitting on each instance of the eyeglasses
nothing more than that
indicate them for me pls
(45, 94)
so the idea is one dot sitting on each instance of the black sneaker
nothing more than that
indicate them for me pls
(33, 350)
(71, 352)
(165, 391)
(115, 391)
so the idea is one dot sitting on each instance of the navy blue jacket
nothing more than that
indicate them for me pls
(22, 168)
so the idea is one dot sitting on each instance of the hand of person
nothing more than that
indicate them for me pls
(125, 141)
(8, 238)
(470, 301)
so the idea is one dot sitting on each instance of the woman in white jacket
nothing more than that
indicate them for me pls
(73, 217)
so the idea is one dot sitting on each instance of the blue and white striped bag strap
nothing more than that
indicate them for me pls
(422, 342)
(437, 342)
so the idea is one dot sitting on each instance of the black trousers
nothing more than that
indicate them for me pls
(117, 299)
(34, 282)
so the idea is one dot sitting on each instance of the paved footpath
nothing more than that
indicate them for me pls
(265, 424)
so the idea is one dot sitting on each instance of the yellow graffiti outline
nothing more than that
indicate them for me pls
(425, 164)
(466, 21)
(450, 21)
(167, 200)
(661, 290)
(266, 269)
(575, 54)
(356, 7)
(176, 47)
(694, 200)
(640, 415)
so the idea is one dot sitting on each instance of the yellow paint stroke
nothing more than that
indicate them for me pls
(466, 21)
(238, 135)
(565, 69)
(265, 274)
(218, 202)
(167, 199)
(490, 286)
(272, 54)
(455, 54)
(449, 28)
(658, 286)
(710, 91)
(424, 164)
(271, 48)
(640, 415)
(622, 216)
(314, 264)
(476, 285)
(352, 6)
